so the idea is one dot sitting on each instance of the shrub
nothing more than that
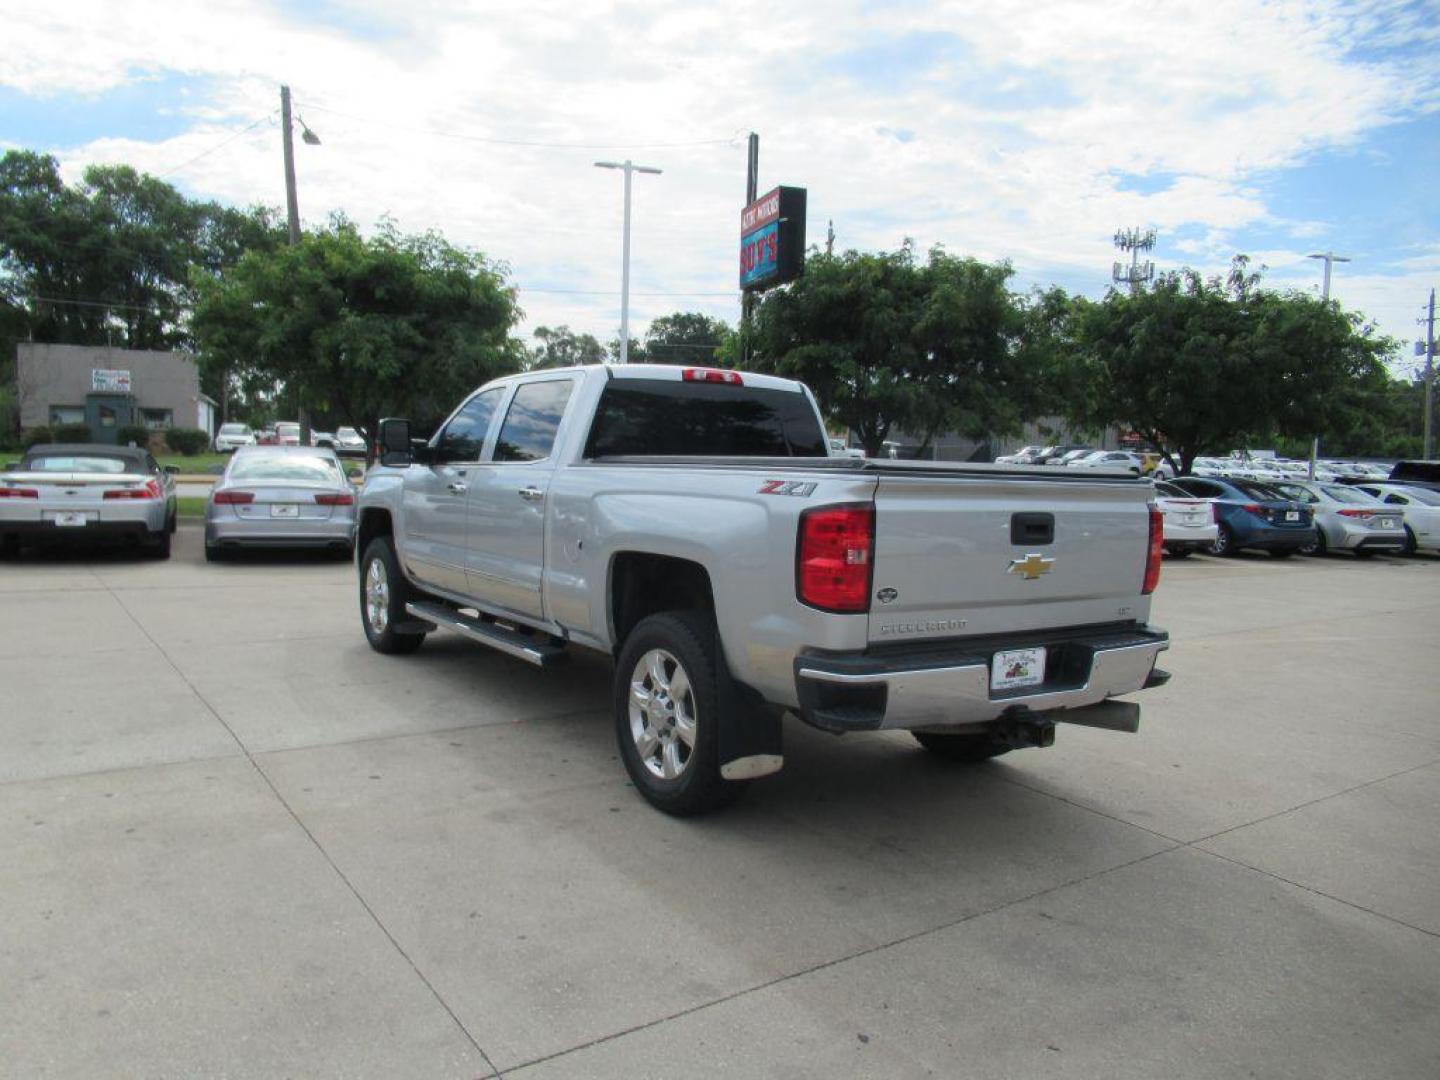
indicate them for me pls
(187, 441)
(35, 436)
(136, 433)
(73, 433)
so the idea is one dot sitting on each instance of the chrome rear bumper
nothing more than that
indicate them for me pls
(950, 687)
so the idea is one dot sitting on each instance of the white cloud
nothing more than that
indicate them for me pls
(1020, 129)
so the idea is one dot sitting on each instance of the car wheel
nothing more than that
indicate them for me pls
(1411, 546)
(384, 592)
(214, 553)
(1316, 546)
(1224, 543)
(961, 746)
(667, 713)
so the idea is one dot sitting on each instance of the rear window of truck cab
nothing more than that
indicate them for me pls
(703, 419)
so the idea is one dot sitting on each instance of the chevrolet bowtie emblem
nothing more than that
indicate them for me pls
(1031, 566)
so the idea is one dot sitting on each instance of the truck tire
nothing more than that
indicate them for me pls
(384, 592)
(667, 713)
(961, 745)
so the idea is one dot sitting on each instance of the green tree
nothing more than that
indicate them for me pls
(559, 346)
(1199, 365)
(361, 328)
(684, 337)
(889, 343)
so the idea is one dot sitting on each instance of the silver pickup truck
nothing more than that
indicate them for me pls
(693, 524)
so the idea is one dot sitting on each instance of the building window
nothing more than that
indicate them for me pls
(157, 419)
(107, 416)
(67, 414)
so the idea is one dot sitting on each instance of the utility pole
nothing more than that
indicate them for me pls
(1137, 273)
(752, 192)
(1330, 258)
(1429, 377)
(629, 168)
(830, 237)
(287, 131)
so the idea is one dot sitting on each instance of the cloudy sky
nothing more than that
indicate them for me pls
(1028, 131)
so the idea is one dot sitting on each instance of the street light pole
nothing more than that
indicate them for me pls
(629, 168)
(1330, 258)
(292, 204)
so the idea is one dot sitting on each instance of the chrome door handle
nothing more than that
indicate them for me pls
(531, 494)
(457, 487)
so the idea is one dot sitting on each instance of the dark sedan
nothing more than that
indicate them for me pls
(1252, 515)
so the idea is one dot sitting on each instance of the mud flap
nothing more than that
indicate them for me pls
(750, 736)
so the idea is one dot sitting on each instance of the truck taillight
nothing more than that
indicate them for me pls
(234, 498)
(1155, 552)
(702, 374)
(18, 493)
(335, 499)
(149, 490)
(833, 560)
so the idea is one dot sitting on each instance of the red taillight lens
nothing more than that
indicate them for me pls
(1357, 513)
(338, 499)
(699, 374)
(1254, 508)
(1155, 552)
(18, 493)
(149, 490)
(234, 498)
(833, 558)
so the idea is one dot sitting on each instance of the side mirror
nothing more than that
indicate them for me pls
(172, 470)
(396, 448)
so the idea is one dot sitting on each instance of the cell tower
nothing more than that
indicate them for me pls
(1137, 273)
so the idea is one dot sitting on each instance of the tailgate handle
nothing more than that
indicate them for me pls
(1033, 528)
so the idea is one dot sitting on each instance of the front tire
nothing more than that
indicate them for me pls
(961, 746)
(384, 592)
(667, 713)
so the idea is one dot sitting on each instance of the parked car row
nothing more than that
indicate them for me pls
(1088, 457)
(345, 441)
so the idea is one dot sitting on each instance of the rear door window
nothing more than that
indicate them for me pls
(533, 420)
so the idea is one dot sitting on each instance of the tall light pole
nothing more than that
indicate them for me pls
(292, 202)
(1330, 259)
(630, 167)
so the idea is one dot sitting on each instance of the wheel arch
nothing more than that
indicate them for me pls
(643, 583)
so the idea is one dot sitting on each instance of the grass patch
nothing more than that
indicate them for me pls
(195, 464)
(191, 506)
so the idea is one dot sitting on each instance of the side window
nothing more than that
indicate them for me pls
(1397, 500)
(533, 420)
(464, 437)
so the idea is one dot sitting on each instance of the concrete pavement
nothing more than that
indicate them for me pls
(235, 842)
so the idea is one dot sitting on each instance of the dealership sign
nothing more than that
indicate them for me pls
(109, 381)
(772, 239)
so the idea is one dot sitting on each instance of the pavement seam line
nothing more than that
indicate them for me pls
(1313, 891)
(838, 960)
(349, 885)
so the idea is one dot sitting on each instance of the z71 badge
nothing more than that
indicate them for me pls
(787, 487)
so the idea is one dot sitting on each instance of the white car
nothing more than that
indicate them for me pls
(1190, 524)
(1420, 508)
(231, 437)
(1111, 460)
(1024, 456)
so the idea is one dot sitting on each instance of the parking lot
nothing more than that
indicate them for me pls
(236, 842)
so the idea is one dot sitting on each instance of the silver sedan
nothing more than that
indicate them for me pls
(1346, 519)
(280, 496)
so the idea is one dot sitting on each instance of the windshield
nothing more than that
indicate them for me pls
(75, 463)
(285, 468)
(288, 429)
(348, 433)
(233, 429)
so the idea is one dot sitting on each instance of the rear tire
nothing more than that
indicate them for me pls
(1318, 546)
(214, 553)
(1224, 544)
(160, 545)
(667, 713)
(1411, 545)
(384, 592)
(961, 746)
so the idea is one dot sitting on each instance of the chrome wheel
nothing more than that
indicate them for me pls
(662, 714)
(377, 596)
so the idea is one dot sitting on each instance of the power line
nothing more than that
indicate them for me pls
(218, 146)
(488, 140)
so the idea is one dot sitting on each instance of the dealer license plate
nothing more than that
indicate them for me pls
(1017, 667)
(69, 520)
(1292, 515)
(284, 510)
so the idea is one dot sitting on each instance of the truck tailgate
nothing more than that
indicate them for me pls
(959, 556)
